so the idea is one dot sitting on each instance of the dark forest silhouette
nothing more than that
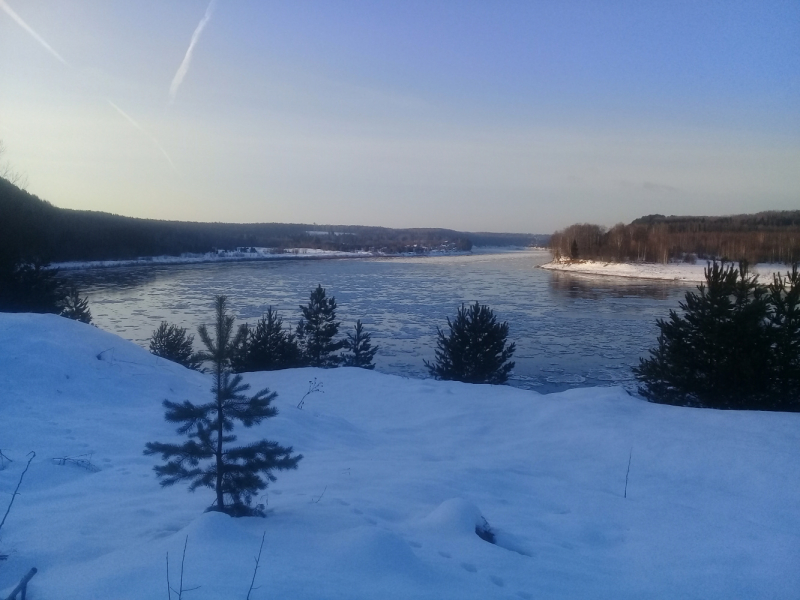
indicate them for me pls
(31, 228)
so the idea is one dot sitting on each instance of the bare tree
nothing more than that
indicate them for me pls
(8, 173)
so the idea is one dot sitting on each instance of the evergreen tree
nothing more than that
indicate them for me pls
(236, 473)
(718, 352)
(475, 349)
(29, 286)
(360, 352)
(173, 343)
(75, 307)
(573, 250)
(268, 346)
(784, 295)
(317, 329)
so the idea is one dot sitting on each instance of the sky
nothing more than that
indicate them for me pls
(479, 116)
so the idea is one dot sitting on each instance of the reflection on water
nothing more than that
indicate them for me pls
(118, 278)
(570, 331)
(591, 287)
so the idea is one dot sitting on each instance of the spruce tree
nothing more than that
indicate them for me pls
(784, 295)
(208, 459)
(573, 250)
(475, 349)
(718, 352)
(360, 352)
(29, 286)
(174, 343)
(74, 307)
(317, 329)
(267, 346)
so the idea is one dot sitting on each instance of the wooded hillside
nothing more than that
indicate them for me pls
(33, 228)
(772, 236)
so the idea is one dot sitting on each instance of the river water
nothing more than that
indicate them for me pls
(570, 330)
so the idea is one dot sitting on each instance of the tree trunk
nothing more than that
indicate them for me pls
(220, 498)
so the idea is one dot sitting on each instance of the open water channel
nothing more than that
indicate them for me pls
(570, 330)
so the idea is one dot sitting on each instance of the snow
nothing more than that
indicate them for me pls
(260, 254)
(397, 473)
(220, 256)
(682, 272)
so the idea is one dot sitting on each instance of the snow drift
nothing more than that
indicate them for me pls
(396, 476)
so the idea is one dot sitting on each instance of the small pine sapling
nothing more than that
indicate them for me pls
(784, 293)
(208, 459)
(717, 352)
(29, 286)
(267, 346)
(317, 329)
(360, 352)
(74, 307)
(475, 349)
(173, 343)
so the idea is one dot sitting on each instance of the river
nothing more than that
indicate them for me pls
(570, 330)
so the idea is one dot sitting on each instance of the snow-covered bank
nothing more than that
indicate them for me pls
(680, 272)
(396, 474)
(269, 254)
(221, 256)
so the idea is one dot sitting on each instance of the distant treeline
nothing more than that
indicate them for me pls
(772, 236)
(31, 228)
(482, 238)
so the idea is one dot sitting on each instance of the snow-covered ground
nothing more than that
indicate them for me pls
(396, 475)
(671, 271)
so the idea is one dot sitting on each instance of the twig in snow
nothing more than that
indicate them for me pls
(22, 586)
(319, 497)
(627, 472)
(314, 387)
(32, 455)
(78, 460)
(3, 459)
(258, 560)
(100, 355)
(180, 589)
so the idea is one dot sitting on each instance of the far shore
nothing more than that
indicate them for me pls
(677, 272)
(262, 254)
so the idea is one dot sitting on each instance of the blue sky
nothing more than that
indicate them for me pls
(499, 116)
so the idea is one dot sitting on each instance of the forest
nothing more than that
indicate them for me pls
(34, 229)
(772, 236)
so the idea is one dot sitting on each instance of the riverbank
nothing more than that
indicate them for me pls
(678, 272)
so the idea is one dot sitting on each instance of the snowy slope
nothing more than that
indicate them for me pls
(396, 474)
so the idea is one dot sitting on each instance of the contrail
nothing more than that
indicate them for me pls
(181, 73)
(130, 120)
(35, 35)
